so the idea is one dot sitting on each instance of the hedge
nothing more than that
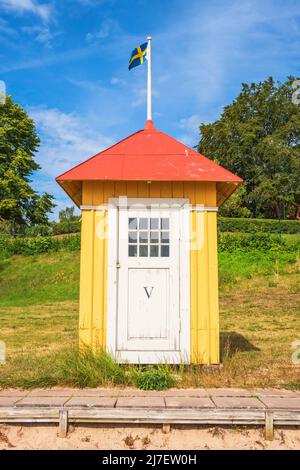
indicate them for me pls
(228, 242)
(227, 224)
(29, 246)
(59, 228)
(231, 242)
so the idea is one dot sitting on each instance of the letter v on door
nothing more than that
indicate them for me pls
(148, 291)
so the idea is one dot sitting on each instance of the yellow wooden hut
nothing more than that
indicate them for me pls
(149, 269)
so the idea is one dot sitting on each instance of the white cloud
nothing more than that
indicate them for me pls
(140, 96)
(42, 34)
(190, 129)
(93, 3)
(107, 28)
(66, 139)
(6, 29)
(91, 86)
(43, 10)
(47, 60)
(191, 123)
(117, 81)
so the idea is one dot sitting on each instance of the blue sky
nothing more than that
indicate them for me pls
(66, 63)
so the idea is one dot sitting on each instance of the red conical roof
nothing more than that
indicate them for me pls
(149, 155)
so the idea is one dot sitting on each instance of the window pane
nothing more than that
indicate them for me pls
(143, 225)
(154, 250)
(165, 237)
(165, 250)
(132, 237)
(143, 250)
(164, 224)
(154, 237)
(154, 224)
(132, 224)
(143, 237)
(132, 250)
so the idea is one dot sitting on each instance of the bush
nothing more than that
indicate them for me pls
(227, 224)
(66, 226)
(158, 378)
(38, 231)
(228, 241)
(10, 246)
(250, 242)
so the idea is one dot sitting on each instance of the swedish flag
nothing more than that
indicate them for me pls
(138, 55)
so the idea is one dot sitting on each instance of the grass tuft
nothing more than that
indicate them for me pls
(83, 368)
(155, 378)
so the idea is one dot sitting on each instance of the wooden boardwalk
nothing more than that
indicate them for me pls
(176, 406)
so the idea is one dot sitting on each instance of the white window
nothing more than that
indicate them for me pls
(149, 237)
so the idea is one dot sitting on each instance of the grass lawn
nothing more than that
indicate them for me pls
(260, 318)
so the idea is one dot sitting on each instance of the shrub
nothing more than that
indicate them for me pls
(29, 246)
(38, 231)
(66, 226)
(227, 242)
(258, 241)
(158, 378)
(227, 224)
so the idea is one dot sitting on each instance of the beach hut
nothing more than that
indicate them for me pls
(149, 270)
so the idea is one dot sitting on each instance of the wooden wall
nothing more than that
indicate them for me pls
(204, 263)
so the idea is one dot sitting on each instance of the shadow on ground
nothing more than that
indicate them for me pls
(232, 342)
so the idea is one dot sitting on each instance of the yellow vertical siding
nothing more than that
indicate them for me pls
(204, 281)
(213, 287)
(155, 189)
(203, 262)
(177, 187)
(86, 277)
(143, 189)
(93, 278)
(166, 189)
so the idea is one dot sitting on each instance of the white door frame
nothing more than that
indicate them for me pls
(184, 281)
(143, 267)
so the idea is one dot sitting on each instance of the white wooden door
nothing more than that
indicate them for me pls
(148, 318)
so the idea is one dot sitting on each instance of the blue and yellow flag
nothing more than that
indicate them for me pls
(138, 55)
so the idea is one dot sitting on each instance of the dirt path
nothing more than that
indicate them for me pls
(125, 438)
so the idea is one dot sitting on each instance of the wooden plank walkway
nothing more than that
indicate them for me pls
(176, 406)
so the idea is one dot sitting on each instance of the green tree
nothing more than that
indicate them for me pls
(20, 205)
(68, 222)
(258, 138)
(234, 206)
(66, 217)
(67, 214)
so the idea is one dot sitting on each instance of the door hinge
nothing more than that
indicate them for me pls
(118, 265)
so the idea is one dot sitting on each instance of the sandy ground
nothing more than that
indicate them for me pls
(148, 438)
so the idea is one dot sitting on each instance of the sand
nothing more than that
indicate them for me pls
(31, 437)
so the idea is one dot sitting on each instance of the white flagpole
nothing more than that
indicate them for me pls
(149, 90)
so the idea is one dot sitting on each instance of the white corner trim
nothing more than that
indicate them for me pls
(102, 207)
(112, 280)
(204, 209)
(185, 283)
